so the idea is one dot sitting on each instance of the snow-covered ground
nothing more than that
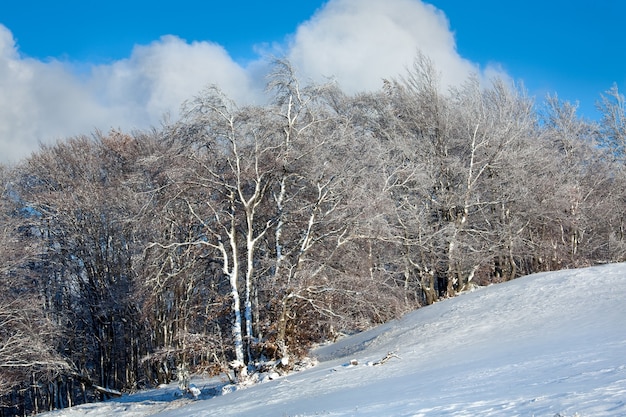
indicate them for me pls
(549, 344)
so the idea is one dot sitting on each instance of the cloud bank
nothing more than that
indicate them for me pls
(42, 102)
(356, 42)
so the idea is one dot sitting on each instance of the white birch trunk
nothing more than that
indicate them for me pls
(279, 225)
(232, 272)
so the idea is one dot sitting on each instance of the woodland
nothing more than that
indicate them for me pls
(233, 239)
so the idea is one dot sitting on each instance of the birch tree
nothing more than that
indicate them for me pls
(329, 224)
(229, 166)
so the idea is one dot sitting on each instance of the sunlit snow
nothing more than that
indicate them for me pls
(549, 344)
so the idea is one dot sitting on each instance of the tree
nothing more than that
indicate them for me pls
(495, 125)
(586, 187)
(457, 165)
(612, 106)
(28, 337)
(86, 236)
(228, 164)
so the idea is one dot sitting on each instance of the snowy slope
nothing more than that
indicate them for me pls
(544, 345)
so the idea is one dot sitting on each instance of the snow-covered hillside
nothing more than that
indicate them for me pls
(549, 344)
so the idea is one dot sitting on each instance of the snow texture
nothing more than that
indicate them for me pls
(551, 344)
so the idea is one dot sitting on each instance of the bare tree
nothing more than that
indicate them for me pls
(612, 105)
(229, 165)
(28, 338)
(85, 226)
(458, 162)
(586, 188)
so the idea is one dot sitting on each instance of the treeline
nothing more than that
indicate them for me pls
(231, 240)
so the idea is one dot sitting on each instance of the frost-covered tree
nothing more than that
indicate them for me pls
(612, 105)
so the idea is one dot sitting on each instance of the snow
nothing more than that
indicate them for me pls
(551, 344)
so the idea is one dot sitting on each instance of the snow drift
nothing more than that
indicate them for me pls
(551, 344)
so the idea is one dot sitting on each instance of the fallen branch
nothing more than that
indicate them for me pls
(88, 383)
(386, 358)
(108, 391)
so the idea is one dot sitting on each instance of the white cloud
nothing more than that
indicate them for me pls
(158, 77)
(33, 101)
(357, 42)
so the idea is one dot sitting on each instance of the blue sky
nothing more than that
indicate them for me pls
(71, 66)
(107, 30)
(576, 48)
